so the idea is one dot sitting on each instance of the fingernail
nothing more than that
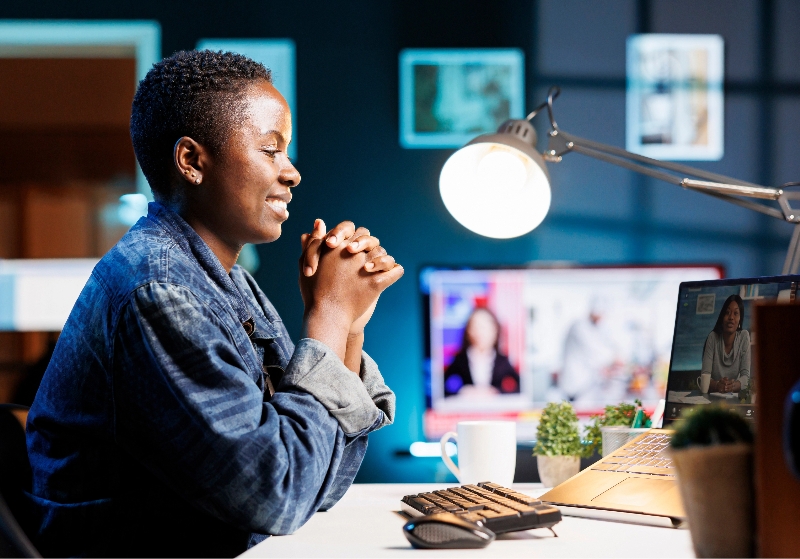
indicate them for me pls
(354, 245)
(332, 239)
(308, 271)
(369, 266)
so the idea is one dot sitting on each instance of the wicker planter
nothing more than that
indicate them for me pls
(716, 484)
(555, 470)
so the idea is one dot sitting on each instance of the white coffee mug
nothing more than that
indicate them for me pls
(704, 381)
(487, 451)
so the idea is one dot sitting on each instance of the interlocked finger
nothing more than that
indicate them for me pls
(340, 233)
(378, 260)
(363, 243)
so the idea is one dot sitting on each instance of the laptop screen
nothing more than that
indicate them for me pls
(712, 345)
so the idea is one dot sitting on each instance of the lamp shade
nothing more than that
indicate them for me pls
(497, 185)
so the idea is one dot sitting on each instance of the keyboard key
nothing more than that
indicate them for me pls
(501, 509)
(524, 509)
(422, 505)
(525, 499)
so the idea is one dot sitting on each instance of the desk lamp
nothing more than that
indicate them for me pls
(498, 186)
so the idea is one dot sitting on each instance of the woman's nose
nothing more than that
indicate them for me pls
(289, 176)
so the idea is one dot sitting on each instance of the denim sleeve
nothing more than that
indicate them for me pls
(188, 410)
(360, 405)
(381, 395)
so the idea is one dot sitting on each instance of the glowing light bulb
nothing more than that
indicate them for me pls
(495, 190)
(502, 171)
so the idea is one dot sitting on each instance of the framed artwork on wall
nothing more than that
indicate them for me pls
(278, 55)
(675, 96)
(449, 96)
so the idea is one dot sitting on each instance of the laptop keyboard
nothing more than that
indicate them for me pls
(491, 505)
(646, 456)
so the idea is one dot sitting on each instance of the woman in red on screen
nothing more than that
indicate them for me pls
(479, 368)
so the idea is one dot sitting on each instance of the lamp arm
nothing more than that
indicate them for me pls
(717, 190)
(619, 152)
(719, 186)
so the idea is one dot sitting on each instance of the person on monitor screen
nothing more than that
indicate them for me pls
(726, 354)
(176, 417)
(590, 369)
(479, 368)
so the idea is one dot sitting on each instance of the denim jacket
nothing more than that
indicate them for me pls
(155, 431)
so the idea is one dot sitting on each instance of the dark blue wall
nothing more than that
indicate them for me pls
(353, 166)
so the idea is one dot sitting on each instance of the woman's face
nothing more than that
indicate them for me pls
(481, 331)
(731, 318)
(248, 183)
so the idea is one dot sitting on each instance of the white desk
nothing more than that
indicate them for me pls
(365, 524)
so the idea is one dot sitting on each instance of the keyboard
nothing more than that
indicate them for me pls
(646, 456)
(486, 504)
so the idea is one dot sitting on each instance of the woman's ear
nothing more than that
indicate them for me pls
(190, 159)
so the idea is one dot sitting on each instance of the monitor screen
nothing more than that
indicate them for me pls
(712, 357)
(38, 295)
(501, 343)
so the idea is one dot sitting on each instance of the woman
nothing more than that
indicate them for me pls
(479, 367)
(726, 354)
(176, 417)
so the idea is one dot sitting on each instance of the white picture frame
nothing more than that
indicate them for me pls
(449, 96)
(278, 55)
(674, 102)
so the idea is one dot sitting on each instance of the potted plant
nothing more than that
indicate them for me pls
(616, 426)
(712, 449)
(558, 447)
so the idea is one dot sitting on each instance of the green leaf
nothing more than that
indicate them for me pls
(557, 434)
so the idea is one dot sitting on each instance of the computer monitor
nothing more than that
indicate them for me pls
(38, 295)
(502, 342)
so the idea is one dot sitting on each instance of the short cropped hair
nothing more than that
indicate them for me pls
(193, 93)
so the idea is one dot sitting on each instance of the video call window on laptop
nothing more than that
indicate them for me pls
(500, 343)
(709, 313)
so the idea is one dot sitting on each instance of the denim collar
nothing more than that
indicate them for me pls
(191, 243)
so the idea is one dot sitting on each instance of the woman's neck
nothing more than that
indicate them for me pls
(481, 351)
(226, 253)
(728, 340)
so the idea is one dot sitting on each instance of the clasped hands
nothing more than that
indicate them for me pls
(342, 274)
(726, 385)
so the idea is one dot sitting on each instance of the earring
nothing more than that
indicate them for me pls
(197, 181)
(186, 171)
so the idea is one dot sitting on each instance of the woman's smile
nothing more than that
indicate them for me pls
(278, 205)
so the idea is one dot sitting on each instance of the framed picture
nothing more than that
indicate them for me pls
(449, 96)
(674, 98)
(276, 54)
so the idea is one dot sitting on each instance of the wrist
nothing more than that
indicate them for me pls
(355, 343)
(330, 328)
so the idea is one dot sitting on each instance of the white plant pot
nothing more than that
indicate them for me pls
(555, 470)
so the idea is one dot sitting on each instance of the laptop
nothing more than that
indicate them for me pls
(637, 482)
